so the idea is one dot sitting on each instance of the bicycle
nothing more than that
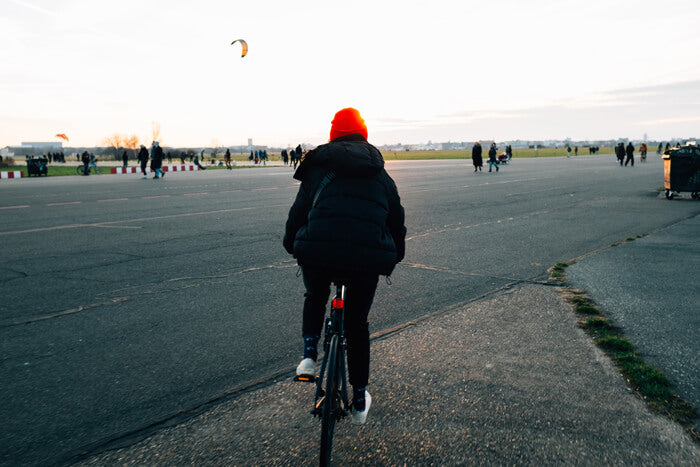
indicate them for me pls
(331, 402)
(80, 170)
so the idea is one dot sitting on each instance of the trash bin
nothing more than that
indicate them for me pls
(682, 170)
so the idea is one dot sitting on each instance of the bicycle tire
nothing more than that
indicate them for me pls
(79, 170)
(330, 405)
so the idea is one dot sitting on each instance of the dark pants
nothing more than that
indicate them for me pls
(630, 158)
(358, 301)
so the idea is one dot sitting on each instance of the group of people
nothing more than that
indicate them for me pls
(293, 157)
(478, 161)
(621, 151)
(258, 157)
(55, 157)
(156, 157)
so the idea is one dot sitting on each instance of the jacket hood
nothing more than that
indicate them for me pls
(348, 155)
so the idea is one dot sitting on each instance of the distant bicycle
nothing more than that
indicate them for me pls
(91, 168)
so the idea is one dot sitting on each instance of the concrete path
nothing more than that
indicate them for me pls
(510, 379)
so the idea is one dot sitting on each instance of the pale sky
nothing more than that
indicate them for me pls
(417, 70)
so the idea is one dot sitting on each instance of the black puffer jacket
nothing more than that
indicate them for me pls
(357, 224)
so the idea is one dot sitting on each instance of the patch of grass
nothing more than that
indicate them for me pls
(615, 343)
(578, 300)
(648, 382)
(597, 323)
(558, 271)
(587, 309)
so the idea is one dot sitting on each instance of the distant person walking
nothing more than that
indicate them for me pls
(630, 154)
(227, 159)
(492, 157)
(477, 159)
(568, 151)
(157, 160)
(620, 153)
(143, 160)
(125, 159)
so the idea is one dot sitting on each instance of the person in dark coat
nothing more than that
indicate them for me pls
(125, 159)
(477, 160)
(85, 158)
(348, 225)
(620, 153)
(227, 158)
(157, 160)
(143, 160)
(630, 154)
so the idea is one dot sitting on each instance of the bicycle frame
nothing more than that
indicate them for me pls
(332, 404)
(334, 326)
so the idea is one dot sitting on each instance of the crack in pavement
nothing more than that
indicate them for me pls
(124, 298)
(515, 280)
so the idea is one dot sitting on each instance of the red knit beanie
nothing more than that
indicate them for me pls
(347, 122)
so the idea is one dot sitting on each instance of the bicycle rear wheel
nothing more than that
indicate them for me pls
(331, 403)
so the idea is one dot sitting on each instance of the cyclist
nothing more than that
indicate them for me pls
(93, 162)
(351, 226)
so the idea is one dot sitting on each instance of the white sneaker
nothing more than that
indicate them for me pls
(359, 418)
(307, 367)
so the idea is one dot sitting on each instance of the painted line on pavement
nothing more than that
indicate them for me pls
(111, 200)
(145, 219)
(64, 204)
(15, 207)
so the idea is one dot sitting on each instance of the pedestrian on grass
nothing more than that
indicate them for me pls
(196, 162)
(227, 158)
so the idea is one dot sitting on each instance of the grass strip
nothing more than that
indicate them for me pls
(650, 383)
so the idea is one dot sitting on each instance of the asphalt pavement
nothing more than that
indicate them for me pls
(506, 379)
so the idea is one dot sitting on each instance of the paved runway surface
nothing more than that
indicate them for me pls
(128, 301)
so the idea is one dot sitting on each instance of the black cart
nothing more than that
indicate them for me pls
(37, 166)
(682, 170)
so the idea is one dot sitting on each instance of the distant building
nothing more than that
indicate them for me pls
(51, 145)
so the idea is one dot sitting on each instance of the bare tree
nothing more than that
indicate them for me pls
(118, 141)
(155, 131)
(115, 141)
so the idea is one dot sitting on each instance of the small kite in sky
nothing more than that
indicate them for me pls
(244, 46)
(62, 136)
